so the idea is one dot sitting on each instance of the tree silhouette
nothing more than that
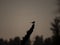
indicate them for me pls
(17, 41)
(1, 41)
(56, 27)
(28, 42)
(48, 41)
(5, 42)
(56, 31)
(11, 41)
(38, 40)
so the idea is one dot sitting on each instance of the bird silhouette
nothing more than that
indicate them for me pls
(29, 32)
(33, 22)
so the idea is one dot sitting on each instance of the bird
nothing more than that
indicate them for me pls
(33, 22)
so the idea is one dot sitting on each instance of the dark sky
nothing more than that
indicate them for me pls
(16, 15)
